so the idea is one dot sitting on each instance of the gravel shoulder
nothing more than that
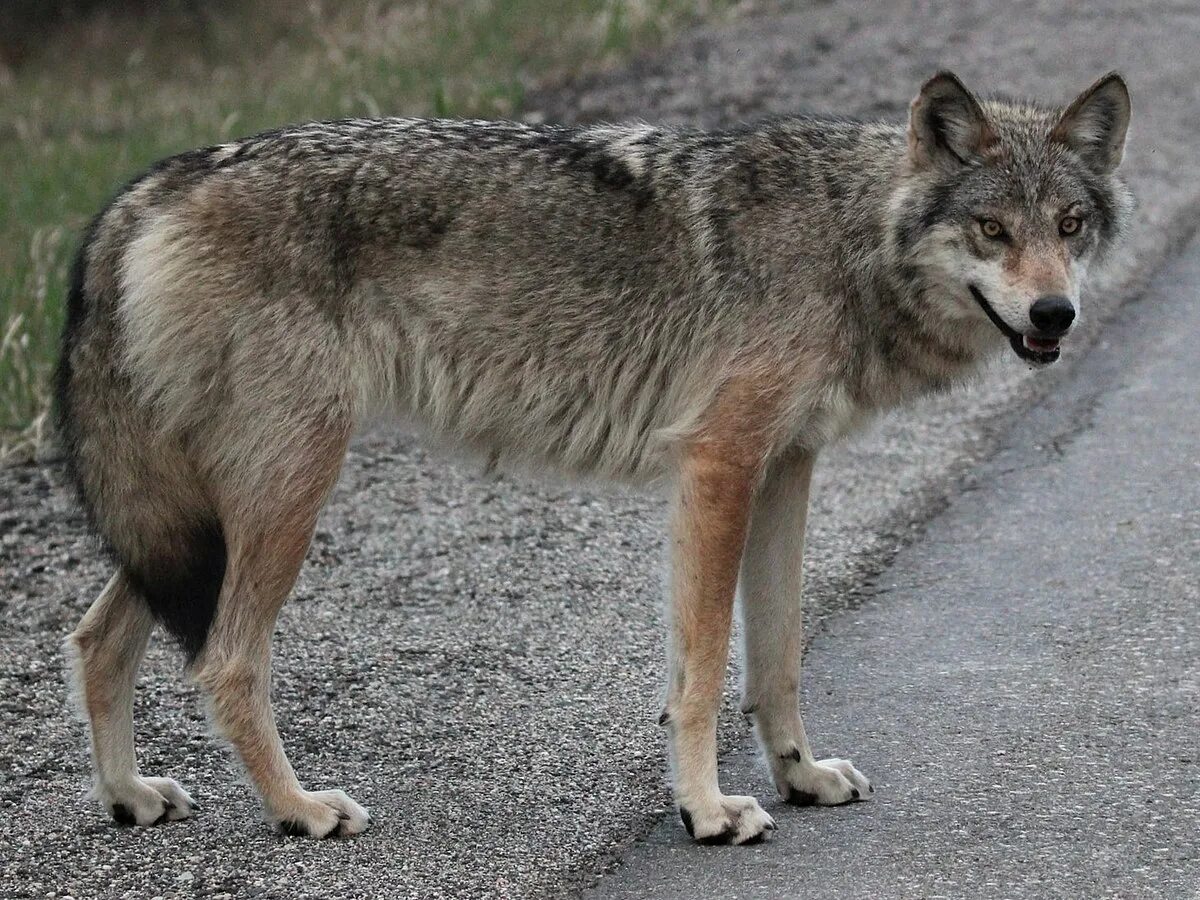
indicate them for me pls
(479, 661)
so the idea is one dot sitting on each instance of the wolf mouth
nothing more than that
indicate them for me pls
(1029, 347)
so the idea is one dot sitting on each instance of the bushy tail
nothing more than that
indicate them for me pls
(141, 492)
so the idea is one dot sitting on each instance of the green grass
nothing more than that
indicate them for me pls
(111, 96)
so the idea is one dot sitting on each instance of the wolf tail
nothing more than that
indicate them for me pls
(140, 491)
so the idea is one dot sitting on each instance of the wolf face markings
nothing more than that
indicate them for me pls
(1031, 204)
(698, 310)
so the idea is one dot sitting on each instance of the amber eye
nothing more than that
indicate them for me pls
(1069, 225)
(991, 229)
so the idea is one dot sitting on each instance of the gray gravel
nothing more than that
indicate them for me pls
(1022, 687)
(479, 661)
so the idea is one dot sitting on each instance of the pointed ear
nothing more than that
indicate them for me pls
(1094, 125)
(946, 123)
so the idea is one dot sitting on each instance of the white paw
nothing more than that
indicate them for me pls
(321, 814)
(146, 801)
(827, 782)
(727, 820)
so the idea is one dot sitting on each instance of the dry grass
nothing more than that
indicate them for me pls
(109, 96)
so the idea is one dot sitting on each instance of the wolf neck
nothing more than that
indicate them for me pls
(828, 220)
(911, 341)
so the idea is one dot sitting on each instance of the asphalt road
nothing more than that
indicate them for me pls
(1022, 686)
(479, 661)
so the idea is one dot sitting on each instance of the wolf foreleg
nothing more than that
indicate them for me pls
(708, 534)
(771, 582)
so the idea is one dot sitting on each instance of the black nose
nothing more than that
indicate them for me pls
(1052, 315)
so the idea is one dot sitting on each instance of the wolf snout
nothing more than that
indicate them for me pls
(1052, 316)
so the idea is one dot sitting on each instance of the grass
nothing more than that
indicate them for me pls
(109, 96)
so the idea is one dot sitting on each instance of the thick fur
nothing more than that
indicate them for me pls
(641, 303)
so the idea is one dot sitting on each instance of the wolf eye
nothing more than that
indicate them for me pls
(991, 229)
(1069, 225)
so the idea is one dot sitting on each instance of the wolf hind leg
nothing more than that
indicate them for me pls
(772, 612)
(268, 534)
(108, 646)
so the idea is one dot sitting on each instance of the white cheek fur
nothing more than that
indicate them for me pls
(952, 268)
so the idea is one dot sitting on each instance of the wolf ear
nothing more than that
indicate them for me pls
(1094, 125)
(946, 123)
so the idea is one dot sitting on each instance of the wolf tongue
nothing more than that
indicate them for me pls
(1031, 352)
(1041, 343)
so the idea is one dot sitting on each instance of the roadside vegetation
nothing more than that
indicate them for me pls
(106, 93)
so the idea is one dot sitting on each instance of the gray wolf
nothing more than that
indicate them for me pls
(698, 311)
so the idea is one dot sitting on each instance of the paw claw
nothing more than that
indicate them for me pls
(727, 820)
(146, 801)
(321, 815)
(829, 782)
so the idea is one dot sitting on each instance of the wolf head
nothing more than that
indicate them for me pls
(1004, 206)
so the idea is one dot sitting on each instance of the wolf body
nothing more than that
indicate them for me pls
(700, 310)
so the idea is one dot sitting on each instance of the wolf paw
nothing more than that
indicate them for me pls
(728, 820)
(828, 782)
(321, 814)
(147, 801)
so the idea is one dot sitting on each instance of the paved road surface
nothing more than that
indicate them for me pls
(1023, 685)
(479, 662)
